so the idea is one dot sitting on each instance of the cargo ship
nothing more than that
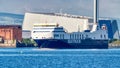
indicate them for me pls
(51, 35)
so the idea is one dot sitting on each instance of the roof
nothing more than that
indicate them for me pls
(11, 26)
(63, 15)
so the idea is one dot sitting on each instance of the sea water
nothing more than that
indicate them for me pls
(59, 58)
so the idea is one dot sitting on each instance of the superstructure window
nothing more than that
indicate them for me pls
(80, 36)
(40, 31)
(77, 36)
(63, 36)
(60, 36)
(56, 35)
(101, 36)
(70, 36)
(105, 36)
(73, 36)
(86, 36)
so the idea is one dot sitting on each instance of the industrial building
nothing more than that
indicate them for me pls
(112, 27)
(71, 23)
(10, 33)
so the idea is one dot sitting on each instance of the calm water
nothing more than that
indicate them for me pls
(70, 58)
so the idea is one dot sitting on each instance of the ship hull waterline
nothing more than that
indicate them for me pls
(62, 44)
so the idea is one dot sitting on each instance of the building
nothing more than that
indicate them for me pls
(9, 33)
(112, 27)
(72, 23)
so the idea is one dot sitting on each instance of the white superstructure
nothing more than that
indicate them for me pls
(53, 31)
(43, 30)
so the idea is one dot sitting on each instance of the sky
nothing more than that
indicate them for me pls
(107, 8)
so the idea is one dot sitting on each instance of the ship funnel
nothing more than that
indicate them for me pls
(95, 16)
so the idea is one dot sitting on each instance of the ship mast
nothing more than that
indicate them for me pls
(96, 12)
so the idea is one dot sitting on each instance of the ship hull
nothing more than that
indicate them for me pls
(63, 44)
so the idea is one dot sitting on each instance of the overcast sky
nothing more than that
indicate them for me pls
(107, 8)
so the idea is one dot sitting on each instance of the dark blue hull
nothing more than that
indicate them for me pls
(62, 44)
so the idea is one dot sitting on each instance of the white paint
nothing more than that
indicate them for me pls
(70, 24)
